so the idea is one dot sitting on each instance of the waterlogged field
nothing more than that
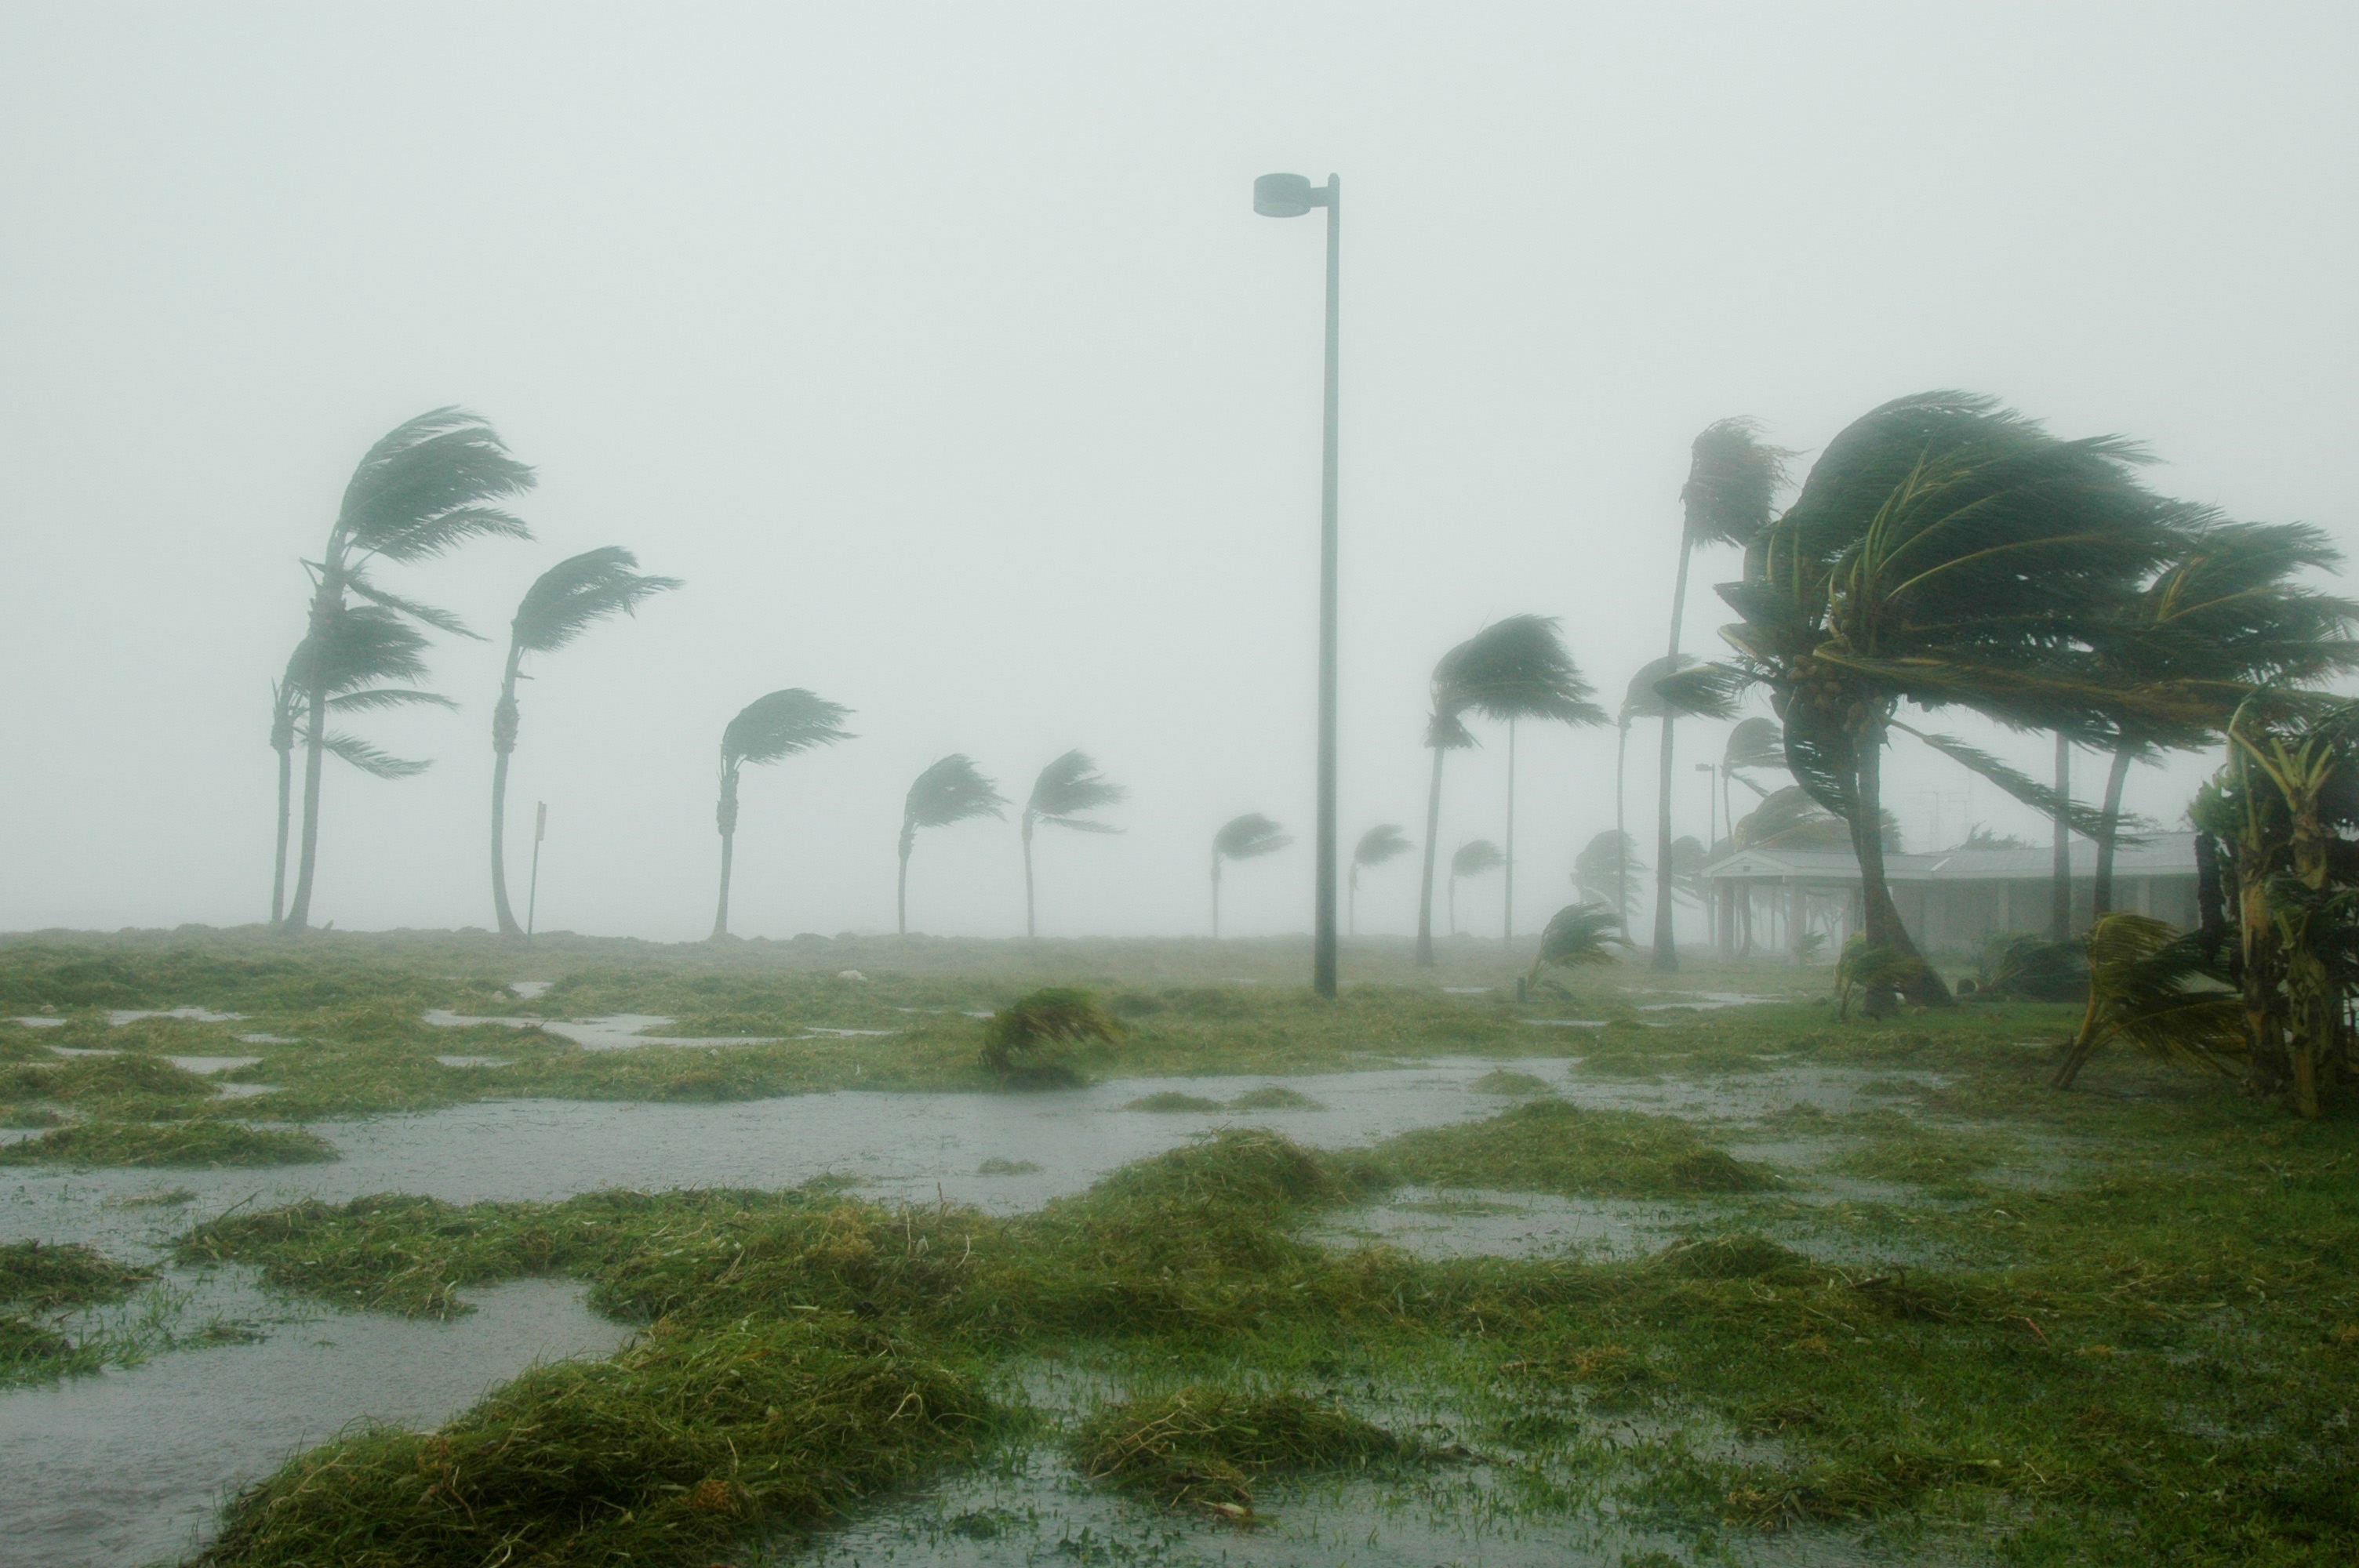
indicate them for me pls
(427, 1249)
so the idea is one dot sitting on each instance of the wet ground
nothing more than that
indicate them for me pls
(128, 1466)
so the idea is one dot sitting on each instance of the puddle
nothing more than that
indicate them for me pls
(1468, 990)
(616, 1031)
(1463, 1222)
(267, 1040)
(530, 990)
(813, 1031)
(130, 1465)
(1702, 1002)
(84, 1051)
(40, 1023)
(1566, 1023)
(477, 1061)
(246, 1091)
(211, 1064)
(194, 1014)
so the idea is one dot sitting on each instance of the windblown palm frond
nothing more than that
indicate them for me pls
(1069, 786)
(1384, 841)
(1577, 935)
(1981, 837)
(1688, 858)
(378, 698)
(2085, 820)
(1789, 820)
(441, 619)
(781, 724)
(953, 790)
(1755, 743)
(1248, 838)
(1733, 478)
(427, 486)
(371, 760)
(1684, 687)
(1476, 857)
(2159, 991)
(569, 598)
(1513, 668)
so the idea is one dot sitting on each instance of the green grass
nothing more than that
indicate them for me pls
(1204, 1447)
(996, 1166)
(37, 1276)
(1273, 1097)
(179, 1145)
(1507, 1081)
(1553, 1146)
(1173, 1100)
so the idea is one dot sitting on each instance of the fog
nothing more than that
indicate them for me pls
(939, 350)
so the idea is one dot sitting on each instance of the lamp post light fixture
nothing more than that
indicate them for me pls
(1293, 196)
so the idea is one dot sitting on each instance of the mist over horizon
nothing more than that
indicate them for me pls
(942, 356)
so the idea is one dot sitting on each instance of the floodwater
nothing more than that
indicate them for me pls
(128, 1465)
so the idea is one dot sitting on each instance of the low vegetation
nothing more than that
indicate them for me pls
(170, 1144)
(1204, 1447)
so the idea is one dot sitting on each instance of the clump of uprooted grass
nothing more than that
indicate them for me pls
(1172, 1100)
(192, 1144)
(1030, 1043)
(121, 1087)
(1507, 1081)
(1552, 1146)
(1204, 1447)
(36, 1276)
(1273, 1097)
(682, 1445)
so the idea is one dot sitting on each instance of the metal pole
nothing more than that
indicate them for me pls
(532, 895)
(1323, 958)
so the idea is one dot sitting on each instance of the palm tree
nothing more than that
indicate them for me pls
(1674, 684)
(1475, 857)
(766, 730)
(1946, 552)
(1755, 745)
(1602, 872)
(423, 490)
(953, 790)
(563, 602)
(1383, 842)
(2226, 608)
(1066, 790)
(1246, 838)
(1733, 480)
(366, 648)
(1515, 668)
(1579, 935)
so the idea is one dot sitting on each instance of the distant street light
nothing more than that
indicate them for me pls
(1292, 196)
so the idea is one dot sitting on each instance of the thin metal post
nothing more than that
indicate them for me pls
(532, 894)
(1323, 958)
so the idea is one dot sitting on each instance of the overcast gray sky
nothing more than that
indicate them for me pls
(939, 350)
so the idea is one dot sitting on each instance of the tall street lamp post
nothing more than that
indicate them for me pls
(1292, 196)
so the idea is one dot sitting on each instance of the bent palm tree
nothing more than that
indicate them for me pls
(1475, 857)
(1066, 790)
(1733, 480)
(1674, 684)
(1944, 551)
(563, 602)
(953, 790)
(1383, 842)
(365, 648)
(1246, 838)
(1601, 871)
(765, 731)
(422, 491)
(1515, 668)
(1577, 935)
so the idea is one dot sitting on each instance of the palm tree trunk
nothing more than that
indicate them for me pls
(325, 603)
(1507, 915)
(1425, 884)
(1454, 903)
(286, 813)
(725, 817)
(1352, 901)
(1621, 837)
(504, 739)
(901, 886)
(1030, 933)
(2060, 892)
(1216, 895)
(1667, 953)
(2103, 887)
(1880, 917)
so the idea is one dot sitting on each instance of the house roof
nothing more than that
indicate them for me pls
(2158, 855)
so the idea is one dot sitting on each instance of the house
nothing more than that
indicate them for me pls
(1951, 900)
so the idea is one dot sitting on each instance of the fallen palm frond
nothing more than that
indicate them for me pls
(2157, 990)
(1026, 1043)
(1578, 934)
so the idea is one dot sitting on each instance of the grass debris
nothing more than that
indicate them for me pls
(36, 1276)
(1554, 1146)
(1030, 1043)
(1202, 1447)
(1273, 1097)
(1172, 1100)
(182, 1145)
